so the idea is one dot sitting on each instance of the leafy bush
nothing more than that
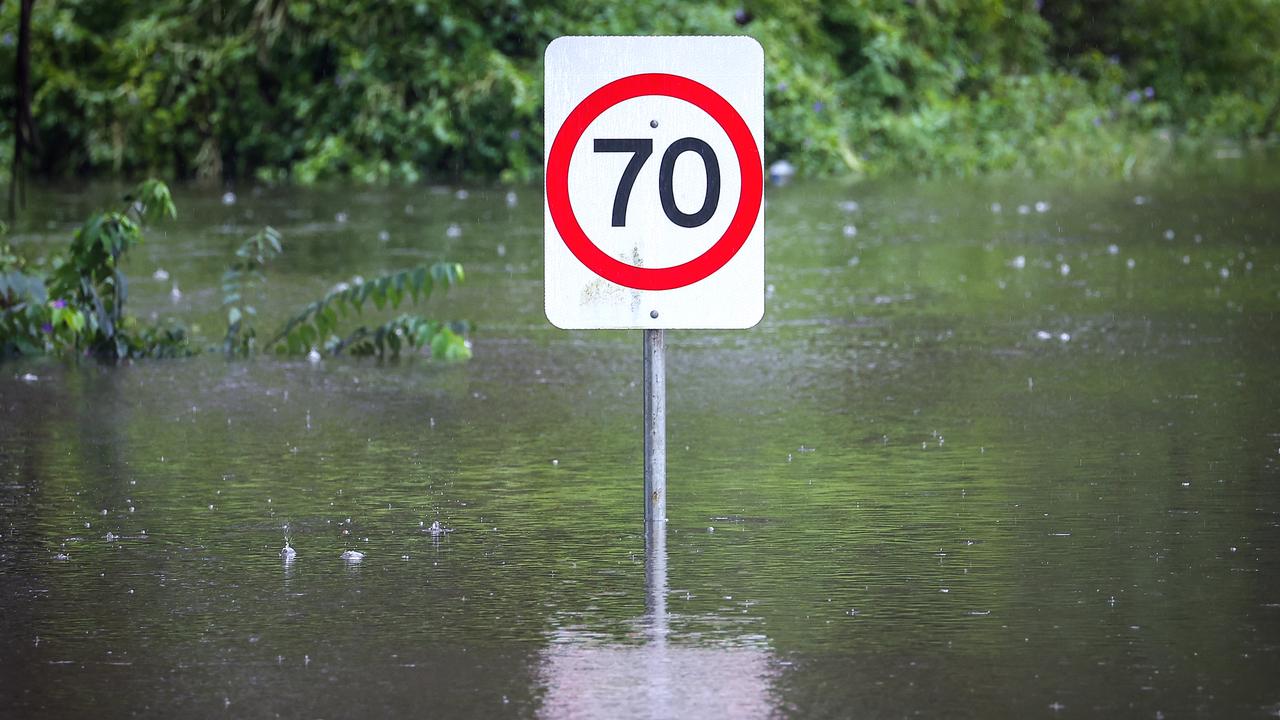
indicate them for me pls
(404, 90)
(79, 306)
(245, 272)
(315, 327)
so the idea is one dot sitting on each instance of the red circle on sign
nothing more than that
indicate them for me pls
(744, 217)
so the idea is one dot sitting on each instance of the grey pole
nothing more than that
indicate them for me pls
(655, 435)
(658, 679)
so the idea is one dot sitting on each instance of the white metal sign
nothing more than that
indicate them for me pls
(654, 182)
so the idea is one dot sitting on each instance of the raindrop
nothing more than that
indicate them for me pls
(781, 171)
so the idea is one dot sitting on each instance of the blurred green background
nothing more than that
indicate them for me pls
(407, 90)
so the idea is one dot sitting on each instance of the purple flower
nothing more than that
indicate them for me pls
(59, 304)
(1097, 122)
(819, 106)
(1149, 92)
(1134, 96)
(47, 328)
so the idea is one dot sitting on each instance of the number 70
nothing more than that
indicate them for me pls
(641, 149)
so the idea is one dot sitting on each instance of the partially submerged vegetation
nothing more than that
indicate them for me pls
(73, 303)
(404, 90)
(77, 305)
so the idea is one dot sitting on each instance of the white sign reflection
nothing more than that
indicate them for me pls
(585, 678)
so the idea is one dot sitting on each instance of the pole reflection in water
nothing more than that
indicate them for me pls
(661, 677)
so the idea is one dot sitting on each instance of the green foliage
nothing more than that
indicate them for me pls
(308, 92)
(79, 306)
(245, 272)
(315, 327)
(446, 341)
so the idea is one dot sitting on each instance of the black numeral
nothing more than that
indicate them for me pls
(667, 193)
(641, 149)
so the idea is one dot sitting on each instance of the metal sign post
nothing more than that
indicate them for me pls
(655, 433)
(654, 199)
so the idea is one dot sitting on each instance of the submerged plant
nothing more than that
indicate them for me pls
(80, 305)
(316, 327)
(244, 272)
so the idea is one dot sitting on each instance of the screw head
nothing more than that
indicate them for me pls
(653, 123)
(653, 314)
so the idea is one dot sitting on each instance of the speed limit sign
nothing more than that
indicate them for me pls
(654, 182)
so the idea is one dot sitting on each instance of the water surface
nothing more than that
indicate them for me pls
(1001, 448)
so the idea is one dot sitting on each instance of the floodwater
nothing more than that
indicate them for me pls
(999, 449)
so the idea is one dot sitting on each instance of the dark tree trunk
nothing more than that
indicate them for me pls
(24, 131)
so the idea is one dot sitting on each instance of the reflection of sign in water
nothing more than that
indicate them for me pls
(655, 681)
(585, 678)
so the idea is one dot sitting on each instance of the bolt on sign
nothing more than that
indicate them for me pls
(654, 182)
